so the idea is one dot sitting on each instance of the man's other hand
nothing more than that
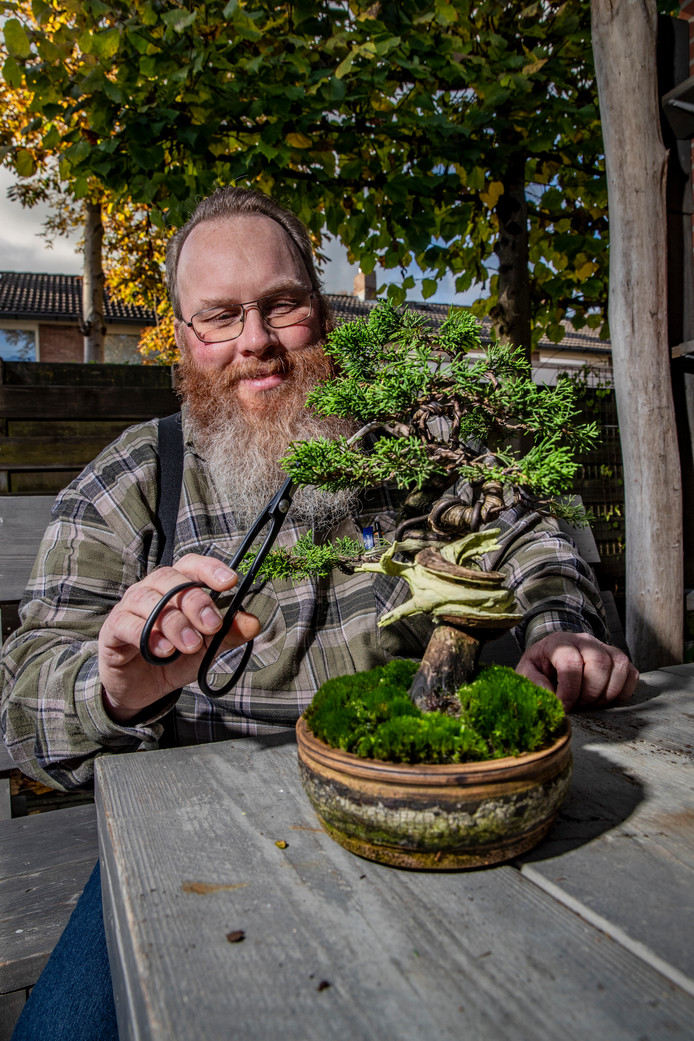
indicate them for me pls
(582, 671)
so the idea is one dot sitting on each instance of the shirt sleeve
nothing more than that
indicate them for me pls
(555, 588)
(53, 719)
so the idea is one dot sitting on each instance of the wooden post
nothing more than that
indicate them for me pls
(93, 325)
(624, 45)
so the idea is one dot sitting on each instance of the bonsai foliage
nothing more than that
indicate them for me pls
(370, 715)
(436, 407)
(438, 412)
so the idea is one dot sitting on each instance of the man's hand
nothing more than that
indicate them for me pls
(583, 672)
(187, 624)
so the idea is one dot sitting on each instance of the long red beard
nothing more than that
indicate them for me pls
(243, 442)
(212, 394)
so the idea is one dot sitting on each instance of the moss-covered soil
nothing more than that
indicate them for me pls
(370, 715)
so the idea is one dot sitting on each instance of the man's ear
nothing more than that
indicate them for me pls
(180, 333)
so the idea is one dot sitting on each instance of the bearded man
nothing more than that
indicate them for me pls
(250, 320)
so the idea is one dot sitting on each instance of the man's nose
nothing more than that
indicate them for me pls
(256, 335)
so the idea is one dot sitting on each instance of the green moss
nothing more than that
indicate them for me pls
(509, 712)
(371, 715)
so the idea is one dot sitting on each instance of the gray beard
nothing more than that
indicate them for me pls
(243, 460)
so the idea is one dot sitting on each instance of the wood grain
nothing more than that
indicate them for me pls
(45, 861)
(622, 850)
(407, 955)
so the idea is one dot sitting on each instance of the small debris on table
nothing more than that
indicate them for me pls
(236, 935)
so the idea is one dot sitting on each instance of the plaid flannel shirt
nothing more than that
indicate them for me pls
(103, 538)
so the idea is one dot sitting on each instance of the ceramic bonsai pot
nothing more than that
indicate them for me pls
(437, 817)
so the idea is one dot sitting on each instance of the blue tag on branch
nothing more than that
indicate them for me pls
(368, 536)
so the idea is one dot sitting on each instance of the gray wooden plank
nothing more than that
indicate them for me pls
(7, 763)
(5, 799)
(10, 1007)
(23, 520)
(631, 807)
(188, 843)
(75, 402)
(45, 861)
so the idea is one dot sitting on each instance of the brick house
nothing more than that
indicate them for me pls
(40, 317)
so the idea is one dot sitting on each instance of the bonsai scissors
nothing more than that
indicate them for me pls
(274, 514)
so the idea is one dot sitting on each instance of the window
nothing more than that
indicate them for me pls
(17, 344)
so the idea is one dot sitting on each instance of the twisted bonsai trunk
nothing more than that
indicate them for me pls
(449, 661)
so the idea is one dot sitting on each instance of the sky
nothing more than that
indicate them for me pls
(22, 249)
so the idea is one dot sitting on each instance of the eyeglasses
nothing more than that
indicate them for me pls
(217, 324)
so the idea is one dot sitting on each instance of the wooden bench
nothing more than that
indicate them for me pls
(45, 861)
(46, 857)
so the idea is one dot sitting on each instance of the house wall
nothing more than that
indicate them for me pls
(64, 343)
(59, 343)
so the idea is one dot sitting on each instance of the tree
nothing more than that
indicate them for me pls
(435, 417)
(119, 243)
(414, 132)
(624, 40)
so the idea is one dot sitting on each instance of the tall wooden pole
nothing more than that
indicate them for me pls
(624, 45)
(93, 324)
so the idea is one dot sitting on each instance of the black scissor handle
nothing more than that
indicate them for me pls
(274, 514)
(152, 621)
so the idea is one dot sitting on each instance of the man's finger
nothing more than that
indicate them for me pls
(527, 668)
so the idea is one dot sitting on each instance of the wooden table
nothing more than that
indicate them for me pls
(590, 936)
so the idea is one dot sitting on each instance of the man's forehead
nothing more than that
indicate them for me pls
(245, 248)
(243, 232)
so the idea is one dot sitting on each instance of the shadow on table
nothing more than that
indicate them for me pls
(602, 796)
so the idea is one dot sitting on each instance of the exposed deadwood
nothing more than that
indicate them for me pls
(624, 44)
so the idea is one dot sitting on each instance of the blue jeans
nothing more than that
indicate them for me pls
(73, 996)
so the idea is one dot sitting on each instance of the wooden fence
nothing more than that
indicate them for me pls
(600, 483)
(55, 418)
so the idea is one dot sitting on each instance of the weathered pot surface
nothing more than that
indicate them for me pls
(440, 817)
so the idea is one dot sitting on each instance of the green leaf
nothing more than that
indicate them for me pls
(16, 39)
(12, 74)
(106, 44)
(179, 20)
(24, 163)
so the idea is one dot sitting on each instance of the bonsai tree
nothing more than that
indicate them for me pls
(437, 410)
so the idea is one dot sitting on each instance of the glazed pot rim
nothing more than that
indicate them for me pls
(510, 767)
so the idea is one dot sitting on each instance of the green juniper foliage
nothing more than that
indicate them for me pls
(371, 715)
(432, 407)
(428, 408)
(305, 559)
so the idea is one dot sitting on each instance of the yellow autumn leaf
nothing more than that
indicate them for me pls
(492, 193)
(298, 140)
(535, 66)
(586, 270)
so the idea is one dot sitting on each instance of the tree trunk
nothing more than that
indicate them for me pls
(511, 314)
(449, 661)
(93, 325)
(624, 45)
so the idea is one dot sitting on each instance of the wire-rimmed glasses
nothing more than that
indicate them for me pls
(279, 311)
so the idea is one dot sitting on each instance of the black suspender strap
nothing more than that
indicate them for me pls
(169, 480)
